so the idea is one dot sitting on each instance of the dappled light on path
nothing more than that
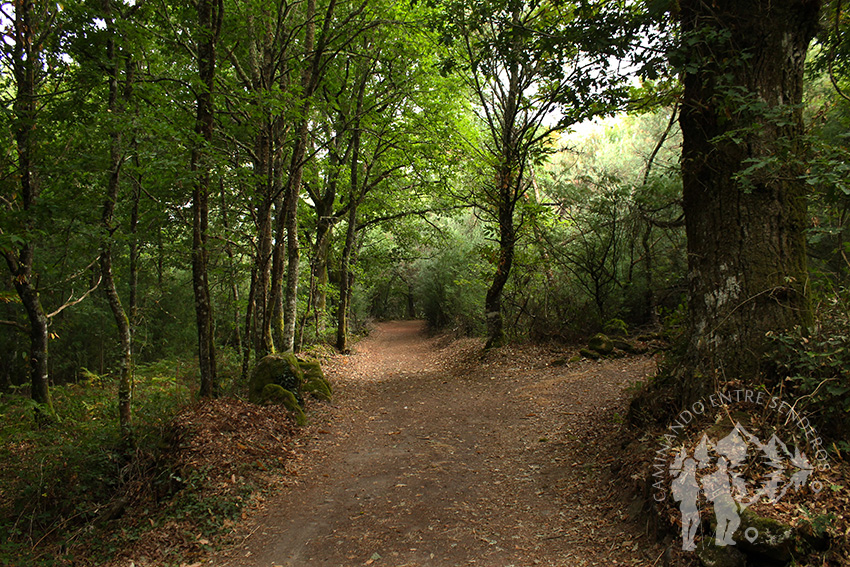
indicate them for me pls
(437, 454)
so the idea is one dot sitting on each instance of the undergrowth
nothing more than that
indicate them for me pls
(812, 365)
(58, 482)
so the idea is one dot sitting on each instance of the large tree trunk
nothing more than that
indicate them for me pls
(209, 22)
(746, 248)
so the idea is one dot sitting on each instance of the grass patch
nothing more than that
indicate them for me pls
(73, 492)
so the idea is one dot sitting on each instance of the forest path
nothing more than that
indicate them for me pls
(436, 456)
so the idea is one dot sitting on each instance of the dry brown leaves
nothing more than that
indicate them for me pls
(222, 455)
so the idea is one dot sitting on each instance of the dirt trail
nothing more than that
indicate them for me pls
(435, 456)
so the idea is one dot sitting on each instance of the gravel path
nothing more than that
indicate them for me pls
(435, 455)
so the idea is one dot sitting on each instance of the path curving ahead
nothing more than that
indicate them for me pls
(435, 455)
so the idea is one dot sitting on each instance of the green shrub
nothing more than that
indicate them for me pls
(814, 362)
(58, 478)
(452, 283)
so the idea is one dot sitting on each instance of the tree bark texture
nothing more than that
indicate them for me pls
(27, 57)
(122, 322)
(209, 22)
(744, 202)
(506, 122)
(507, 244)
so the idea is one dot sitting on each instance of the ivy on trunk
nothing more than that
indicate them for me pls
(744, 197)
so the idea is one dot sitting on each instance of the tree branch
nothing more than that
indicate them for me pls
(71, 303)
(20, 327)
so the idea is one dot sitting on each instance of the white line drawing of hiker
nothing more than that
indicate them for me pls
(734, 448)
(685, 489)
(718, 490)
(774, 451)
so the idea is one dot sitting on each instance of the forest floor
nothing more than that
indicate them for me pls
(434, 454)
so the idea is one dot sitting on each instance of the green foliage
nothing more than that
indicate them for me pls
(56, 480)
(813, 365)
(450, 283)
(610, 244)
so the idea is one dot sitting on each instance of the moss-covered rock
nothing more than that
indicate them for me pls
(624, 346)
(601, 344)
(275, 394)
(319, 388)
(281, 369)
(315, 382)
(773, 539)
(587, 353)
(311, 368)
(616, 328)
(712, 556)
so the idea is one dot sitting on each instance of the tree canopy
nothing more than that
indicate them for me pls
(222, 180)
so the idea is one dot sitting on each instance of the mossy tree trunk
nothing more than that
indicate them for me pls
(116, 158)
(30, 30)
(744, 201)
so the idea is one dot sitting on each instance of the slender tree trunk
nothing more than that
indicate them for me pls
(234, 288)
(354, 196)
(262, 337)
(293, 251)
(21, 269)
(209, 22)
(250, 323)
(276, 292)
(318, 276)
(324, 232)
(651, 303)
(122, 322)
(265, 61)
(309, 83)
(509, 184)
(160, 262)
(507, 244)
(746, 248)
(273, 183)
(134, 253)
(27, 58)
(345, 280)
(411, 305)
(325, 221)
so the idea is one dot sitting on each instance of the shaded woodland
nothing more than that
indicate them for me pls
(186, 187)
